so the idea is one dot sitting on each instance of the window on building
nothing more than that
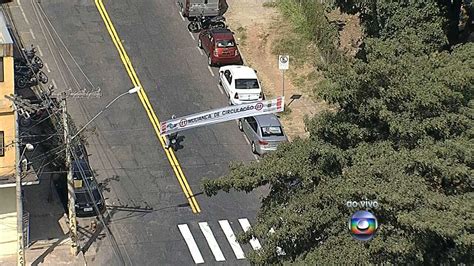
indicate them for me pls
(2, 143)
(1, 69)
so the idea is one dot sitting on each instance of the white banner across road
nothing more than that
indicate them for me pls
(222, 115)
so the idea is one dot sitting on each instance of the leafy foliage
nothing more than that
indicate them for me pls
(403, 134)
(309, 20)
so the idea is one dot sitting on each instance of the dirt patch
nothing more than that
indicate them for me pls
(350, 31)
(258, 28)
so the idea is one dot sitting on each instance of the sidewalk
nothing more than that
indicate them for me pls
(49, 240)
(47, 253)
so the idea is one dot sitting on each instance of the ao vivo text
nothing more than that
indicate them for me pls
(362, 204)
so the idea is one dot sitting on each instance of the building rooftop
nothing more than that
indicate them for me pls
(5, 37)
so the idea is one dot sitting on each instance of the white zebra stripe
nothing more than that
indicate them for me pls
(211, 240)
(239, 253)
(192, 246)
(244, 222)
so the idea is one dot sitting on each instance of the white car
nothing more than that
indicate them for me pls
(240, 83)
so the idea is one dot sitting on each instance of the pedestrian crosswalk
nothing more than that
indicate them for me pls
(211, 241)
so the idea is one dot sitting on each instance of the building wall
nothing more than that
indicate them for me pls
(8, 245)
(7, 118)
(8, 221)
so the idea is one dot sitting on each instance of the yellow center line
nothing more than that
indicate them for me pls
(148, 107)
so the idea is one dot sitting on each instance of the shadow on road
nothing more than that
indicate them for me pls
(96, 228)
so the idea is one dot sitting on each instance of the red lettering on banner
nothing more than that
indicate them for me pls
(278, 103)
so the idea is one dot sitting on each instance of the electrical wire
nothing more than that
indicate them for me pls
(155, 166)
(41, 141)
(65, 47)
(111, 237)
(42, 120)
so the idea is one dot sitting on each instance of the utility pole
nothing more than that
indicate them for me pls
(283, 64)
(19, 199)
(70, 183)
(283, 82)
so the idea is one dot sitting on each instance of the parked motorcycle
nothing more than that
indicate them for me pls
(31, 71)
(26, 70)
(20, 62)
(32, 57)
(203, 22)
(28, 80)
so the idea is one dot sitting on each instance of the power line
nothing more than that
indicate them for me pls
(42, 120)
(108, 131)
(60, 39)
(41, 141)
(111, 238)
(155, 166)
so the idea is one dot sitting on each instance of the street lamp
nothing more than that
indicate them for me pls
(130, 91)
(28, 147)
(24, 162)
(19, 203)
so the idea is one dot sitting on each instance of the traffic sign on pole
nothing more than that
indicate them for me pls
(283, 62)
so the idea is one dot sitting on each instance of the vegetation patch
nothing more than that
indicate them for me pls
(270, 4)
(401, 135)
(242, 35)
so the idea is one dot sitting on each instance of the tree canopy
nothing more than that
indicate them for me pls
(402, 134)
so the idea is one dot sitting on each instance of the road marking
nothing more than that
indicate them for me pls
(220, 88)
(148, 107)
(200, 50)
(54, 84)
(244, 222)
(210, 70)
(246, 139)
(39, 50)
(239, 253)
(181, 15)
(47, 67)
(32, 34)
(23, 12)
(211, 240)
(192, 246)
(192, 36)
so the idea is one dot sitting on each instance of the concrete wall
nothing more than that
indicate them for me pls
(7, 118)
(8, 245)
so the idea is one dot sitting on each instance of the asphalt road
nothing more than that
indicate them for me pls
(125, 151)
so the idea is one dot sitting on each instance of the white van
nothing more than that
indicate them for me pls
(207, 8)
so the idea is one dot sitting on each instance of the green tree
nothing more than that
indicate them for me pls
(403, 134)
